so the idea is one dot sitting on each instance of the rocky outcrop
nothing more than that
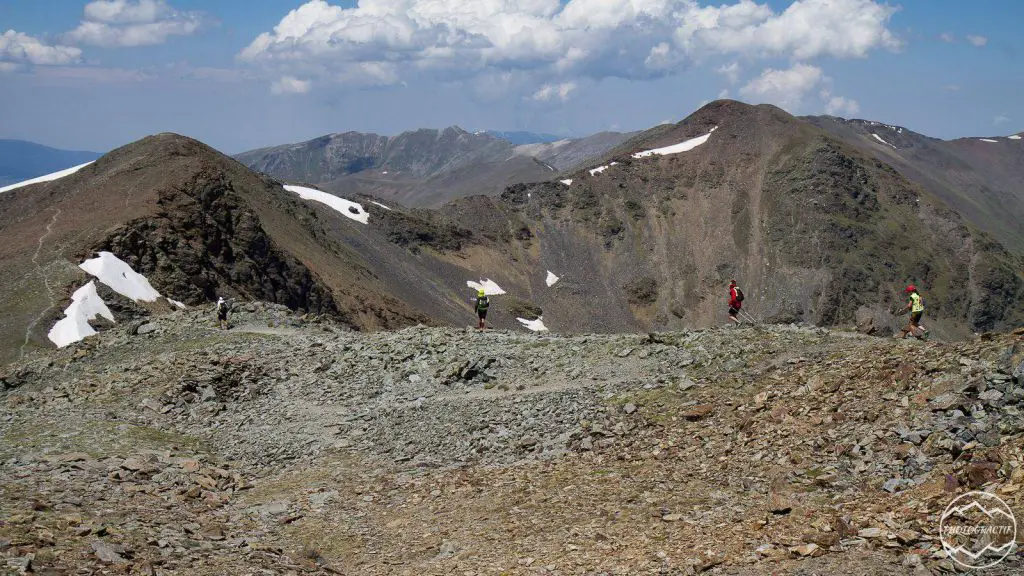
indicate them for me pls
(206, 242)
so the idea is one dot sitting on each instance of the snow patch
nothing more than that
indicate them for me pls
(385, 172)
(178, 304)
(1014, 137)
(567, 181)
(677, 148)
(535, 325)
(47, 177)
(490, 287)
(120, 277)
(600, 169)
(86, 304)
(879, 138)
(551, 279)
(989, 140)
(379, 204)
(347, 208)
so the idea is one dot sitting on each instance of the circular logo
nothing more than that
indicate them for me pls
(978, 530)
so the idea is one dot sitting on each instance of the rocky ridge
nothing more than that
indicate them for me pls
(291, 445)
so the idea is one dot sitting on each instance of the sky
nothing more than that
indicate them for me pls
(241, 74)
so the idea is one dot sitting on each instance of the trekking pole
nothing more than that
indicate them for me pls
(748, 317)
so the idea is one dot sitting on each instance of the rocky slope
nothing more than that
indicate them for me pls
(196, 223)
(422, 168)
(289, 445)
(981, 178)
(815, 230)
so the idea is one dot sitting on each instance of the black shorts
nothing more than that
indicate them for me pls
(915, 317)
(733, 311)
(482, 314)
(222, 315)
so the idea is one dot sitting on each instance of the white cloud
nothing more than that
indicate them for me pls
(947, 37)
(784, 88)
(723, 94)
(1000, 119)
(839, 105)
(978, 41)
(125, 23)
(559, 91)
(291, 85)
(951, 87)
(558, 41)
(17, 48)
(730, 71)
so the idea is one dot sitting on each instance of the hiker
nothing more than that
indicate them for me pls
(735, 302)
(222, 312)
(482, 304)
(916, 308)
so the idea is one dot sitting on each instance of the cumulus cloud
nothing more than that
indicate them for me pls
(551, 92)
(126, 23)
(978, 41)
(558, 41)
(841, 106)
(947, 37)
(784, 88)
(1000, 119)
(291, 85)
(18, 49)
(730, 71)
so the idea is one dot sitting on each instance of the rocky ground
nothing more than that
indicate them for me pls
(291, 445)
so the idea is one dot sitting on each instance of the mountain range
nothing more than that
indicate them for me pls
(425, 168)
(639, 233)
(21, 160)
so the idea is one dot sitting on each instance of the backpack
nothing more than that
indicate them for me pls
(739, 294)
(483, 303)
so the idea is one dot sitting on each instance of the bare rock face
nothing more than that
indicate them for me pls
(875, 322)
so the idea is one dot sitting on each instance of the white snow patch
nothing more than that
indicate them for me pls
(879, 138)
(551, 279)
(490, 287)
(86, 304)
(120, 277)
(677, 148)
(1014, 137)
(178, 304)
(600, 169)
(385, 172)
(347, 208)
(567, 181)
(47, 177)
(535, 325)
(989, 140)
(379, 204)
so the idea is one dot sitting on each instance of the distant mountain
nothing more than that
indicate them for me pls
(21, 160)
(518, 138)
(982, 178)
(422, 168)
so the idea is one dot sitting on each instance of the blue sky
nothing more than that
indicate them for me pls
(243, 74)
